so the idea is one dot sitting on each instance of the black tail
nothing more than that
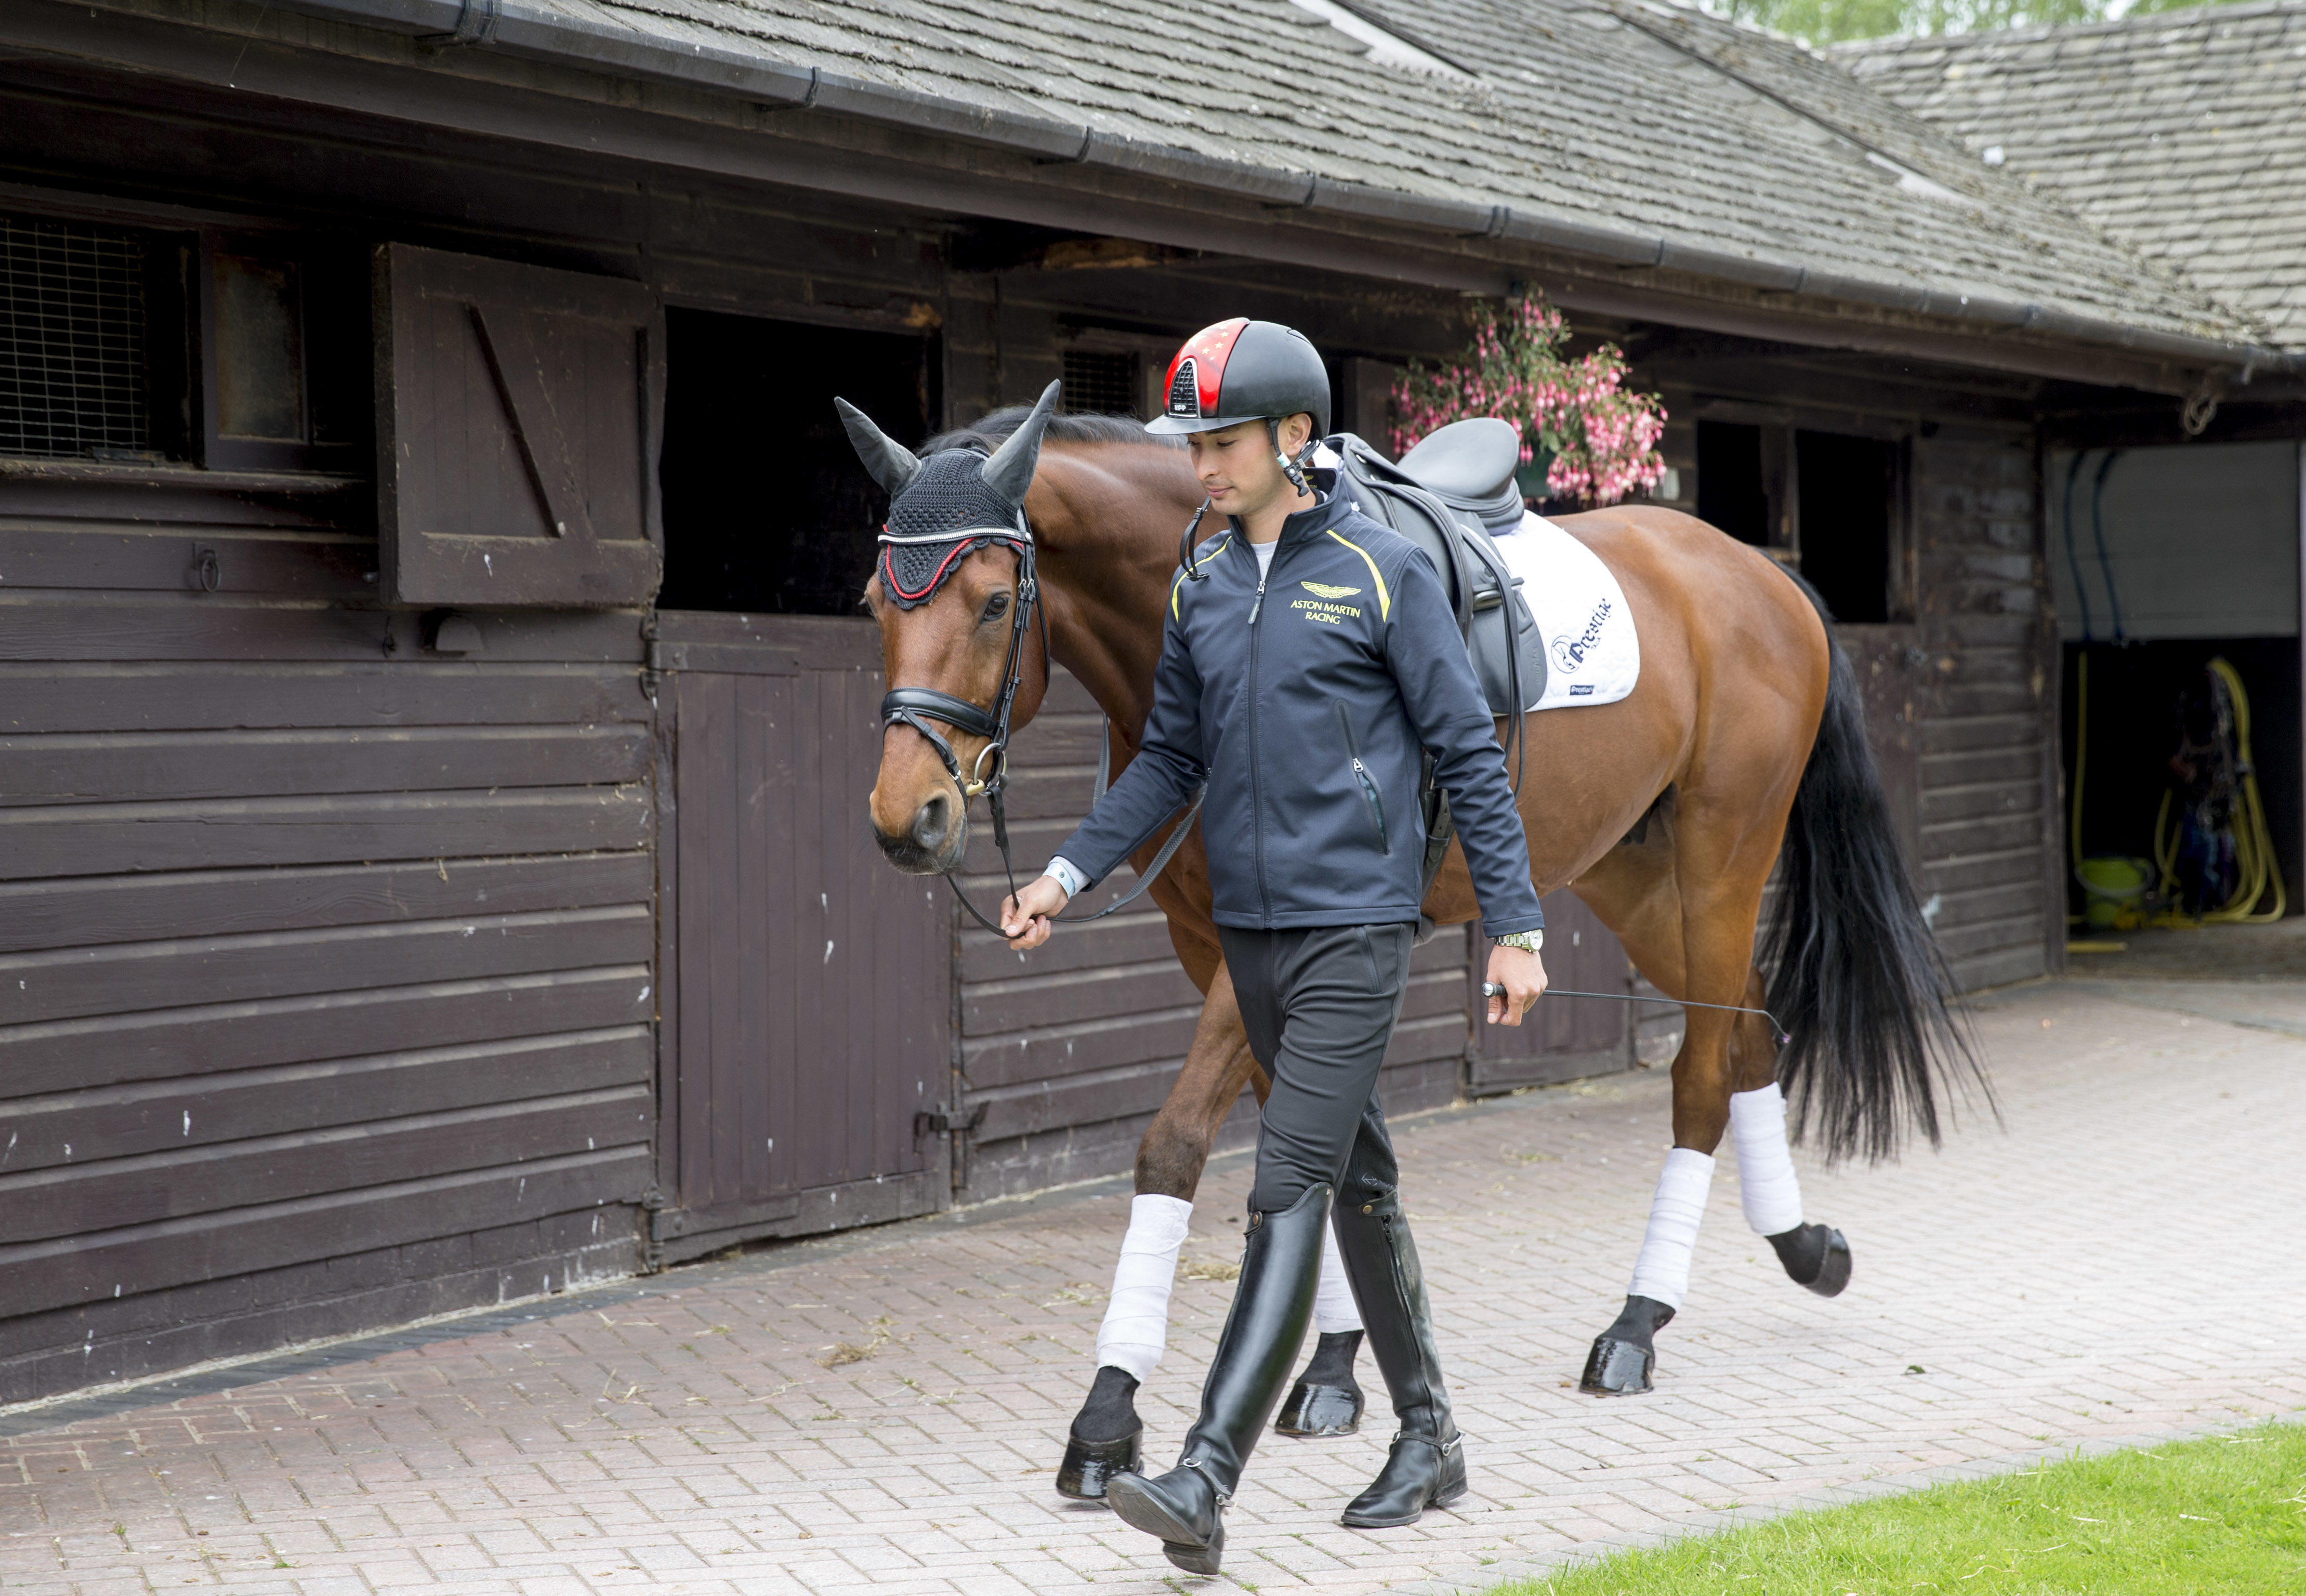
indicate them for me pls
(1855, 975)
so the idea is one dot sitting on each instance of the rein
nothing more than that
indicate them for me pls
(917, 707)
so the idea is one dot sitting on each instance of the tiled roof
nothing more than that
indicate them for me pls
(2182, 133)
(1645, 119)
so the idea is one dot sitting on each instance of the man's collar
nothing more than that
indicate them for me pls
(1317, 518)
(1327, 506)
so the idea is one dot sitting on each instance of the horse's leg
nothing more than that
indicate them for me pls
(1685, 905)
(1816, 1256)
(1634, 892)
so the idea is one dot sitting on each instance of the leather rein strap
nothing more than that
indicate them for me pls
(917, 707)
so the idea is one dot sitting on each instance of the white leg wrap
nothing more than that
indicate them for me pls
(1136, 1328)
(1766, 1182)
(1334, 1307)
(1662, 1270)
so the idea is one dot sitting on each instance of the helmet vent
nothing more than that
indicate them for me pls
(1184, 390)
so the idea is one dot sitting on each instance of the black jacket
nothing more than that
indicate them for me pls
(1306, 700)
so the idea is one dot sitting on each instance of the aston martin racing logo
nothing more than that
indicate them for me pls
(1322, 589)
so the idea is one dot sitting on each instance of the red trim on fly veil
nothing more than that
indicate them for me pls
(936, 578)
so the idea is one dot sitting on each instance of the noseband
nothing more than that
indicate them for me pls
(917, 707)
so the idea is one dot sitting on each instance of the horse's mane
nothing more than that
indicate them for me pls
(990, 432)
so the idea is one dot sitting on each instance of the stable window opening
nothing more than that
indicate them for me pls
(1848, 509)
(767, 507)
(87, 316)
(1733, 487)
(136, 346)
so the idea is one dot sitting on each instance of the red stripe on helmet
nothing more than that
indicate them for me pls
(1208, 350)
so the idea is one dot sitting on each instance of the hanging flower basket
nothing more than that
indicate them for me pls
(1585, 436)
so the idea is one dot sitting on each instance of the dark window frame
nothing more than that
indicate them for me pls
(327, 273)
(180, 389)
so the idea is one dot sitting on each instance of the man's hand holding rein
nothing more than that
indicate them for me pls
(1025, 919)
(1515, 978)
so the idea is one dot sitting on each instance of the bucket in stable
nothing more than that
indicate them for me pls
(2117, 888)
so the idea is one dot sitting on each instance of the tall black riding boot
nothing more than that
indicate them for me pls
(1427, 1465)
(1280, 1266)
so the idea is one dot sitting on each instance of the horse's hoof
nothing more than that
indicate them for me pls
(1088, 1465)
(1815, 1257)
(1834, 1273)
(1315, 1410)
(1617, 1368)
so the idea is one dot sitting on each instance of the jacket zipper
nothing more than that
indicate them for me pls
(1361, 773)
(1256, 794)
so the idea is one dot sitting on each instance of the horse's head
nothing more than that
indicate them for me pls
(954, 641)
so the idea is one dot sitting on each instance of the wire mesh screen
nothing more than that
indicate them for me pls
(1100, 383)
(71, 339)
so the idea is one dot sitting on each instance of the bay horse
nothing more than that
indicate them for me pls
(1741, 749)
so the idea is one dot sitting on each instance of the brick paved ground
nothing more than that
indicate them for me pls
(2119, 1262)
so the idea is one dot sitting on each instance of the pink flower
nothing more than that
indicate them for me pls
(1600, 436)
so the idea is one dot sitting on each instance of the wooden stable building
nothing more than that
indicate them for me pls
(2179, 135)
(435, 716)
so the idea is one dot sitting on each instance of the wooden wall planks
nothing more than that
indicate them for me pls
(328, 967)
(1986, 702)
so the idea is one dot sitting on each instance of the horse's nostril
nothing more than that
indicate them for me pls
(929, 823)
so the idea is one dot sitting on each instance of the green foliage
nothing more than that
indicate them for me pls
(2225, 1517)
(1830, 21)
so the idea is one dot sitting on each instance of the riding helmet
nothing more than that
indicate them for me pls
(1243, 371)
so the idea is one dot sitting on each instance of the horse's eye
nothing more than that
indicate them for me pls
(997, 606)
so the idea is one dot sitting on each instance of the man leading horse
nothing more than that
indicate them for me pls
(1740, 748)
(1310, 666)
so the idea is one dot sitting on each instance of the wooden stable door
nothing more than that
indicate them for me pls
(805, 1024)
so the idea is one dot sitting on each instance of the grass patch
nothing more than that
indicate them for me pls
(2227, 1513)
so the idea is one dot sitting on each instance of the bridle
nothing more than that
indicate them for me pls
(917, 707)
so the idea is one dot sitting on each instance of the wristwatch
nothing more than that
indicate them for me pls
(1528, 942)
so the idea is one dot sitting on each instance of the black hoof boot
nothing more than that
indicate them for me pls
(1326, 1400)
(1623, 1356)
(1181, 1508)
(1814, 1256)
(1092, 1466)
(1420, 1472)
(1105, 1437)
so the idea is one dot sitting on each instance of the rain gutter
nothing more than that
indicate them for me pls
(545, 34)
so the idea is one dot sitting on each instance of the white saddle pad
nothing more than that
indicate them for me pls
(1591, 655)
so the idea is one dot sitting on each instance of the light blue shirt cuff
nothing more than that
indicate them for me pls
(1068, 875)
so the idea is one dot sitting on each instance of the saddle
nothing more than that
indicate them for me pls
(1438, 497)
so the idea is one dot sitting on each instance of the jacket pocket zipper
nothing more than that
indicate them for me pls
(1361, 774)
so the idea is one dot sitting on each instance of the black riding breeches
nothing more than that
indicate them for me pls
(1320, 1006)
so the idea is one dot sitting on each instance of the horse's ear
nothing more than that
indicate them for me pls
(1010, 472)
(891, 464)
